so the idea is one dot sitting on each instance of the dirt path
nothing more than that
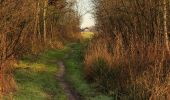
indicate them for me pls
(69, 91)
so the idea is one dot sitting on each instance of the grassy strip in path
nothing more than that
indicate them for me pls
(74, 74)
(36, 77)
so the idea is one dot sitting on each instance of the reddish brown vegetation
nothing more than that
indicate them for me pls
(129, 59)
(29, 27)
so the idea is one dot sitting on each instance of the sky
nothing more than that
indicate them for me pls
(85, 9)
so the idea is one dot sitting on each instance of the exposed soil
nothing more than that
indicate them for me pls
(68, 89)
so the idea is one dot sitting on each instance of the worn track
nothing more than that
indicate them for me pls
(69, 91)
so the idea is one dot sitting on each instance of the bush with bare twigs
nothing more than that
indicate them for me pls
(138, 71)
(130, 59)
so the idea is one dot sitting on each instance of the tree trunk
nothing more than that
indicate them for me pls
(45, 20)
(165, 27)
(38, 22)
(34, 36)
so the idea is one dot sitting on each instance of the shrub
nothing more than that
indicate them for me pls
(135, 71)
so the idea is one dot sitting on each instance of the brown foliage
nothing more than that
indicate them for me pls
(130, 59)
(139, 71)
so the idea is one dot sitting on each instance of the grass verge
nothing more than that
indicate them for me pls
(36, 78)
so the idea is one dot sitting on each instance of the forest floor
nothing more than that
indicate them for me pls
(55, 75)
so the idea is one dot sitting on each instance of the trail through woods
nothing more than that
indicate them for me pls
(68, 89)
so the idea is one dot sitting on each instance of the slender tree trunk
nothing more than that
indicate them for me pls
(38, 22)
(45, 19)
(51, 35)
(165, 27)
(36, 27)
(37, 30)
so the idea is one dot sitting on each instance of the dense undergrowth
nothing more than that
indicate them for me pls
(130, 58)
(138, 71)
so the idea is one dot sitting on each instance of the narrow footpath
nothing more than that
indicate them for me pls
(68, 89)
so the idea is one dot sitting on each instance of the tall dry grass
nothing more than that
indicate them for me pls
(135, 71)
(7, 81)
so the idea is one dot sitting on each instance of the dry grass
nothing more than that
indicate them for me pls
(136, 71)
(7, 82)
(95, 51)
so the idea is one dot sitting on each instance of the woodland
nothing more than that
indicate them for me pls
(45, 55)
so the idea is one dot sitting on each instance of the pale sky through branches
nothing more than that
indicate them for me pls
(85, 7)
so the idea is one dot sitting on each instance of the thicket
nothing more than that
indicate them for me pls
(129, 59)
(29, 27)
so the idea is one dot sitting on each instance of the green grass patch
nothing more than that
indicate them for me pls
(76, 77)
(36, 77)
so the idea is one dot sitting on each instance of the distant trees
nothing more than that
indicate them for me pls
(28, 27)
